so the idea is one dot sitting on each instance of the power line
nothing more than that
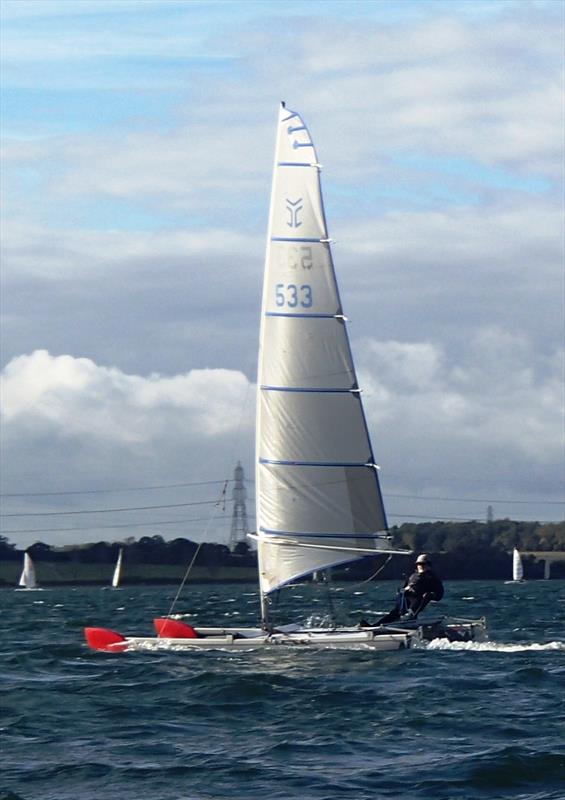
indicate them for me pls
(212, 483)
(110, 491)
(117, 525)
(477, 500)
(212, 502)
(107, 510)
(182, 521)
(433, 518)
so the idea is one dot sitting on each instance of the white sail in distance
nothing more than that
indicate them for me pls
(27, 578)
(517, 568)
(318, 497)
(117, 570)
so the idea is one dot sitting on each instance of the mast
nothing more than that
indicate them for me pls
(264, 302)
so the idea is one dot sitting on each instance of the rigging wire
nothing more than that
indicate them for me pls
(220, 502)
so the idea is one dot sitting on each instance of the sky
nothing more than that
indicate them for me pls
(137, 147)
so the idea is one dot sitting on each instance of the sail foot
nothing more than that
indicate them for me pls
(279, 565)
(284, 557)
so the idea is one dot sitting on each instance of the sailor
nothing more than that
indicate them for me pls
(421, 587)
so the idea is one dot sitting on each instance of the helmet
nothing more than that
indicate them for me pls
(423, 559)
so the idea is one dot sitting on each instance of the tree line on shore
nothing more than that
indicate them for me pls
(483, 550)
(459, 549)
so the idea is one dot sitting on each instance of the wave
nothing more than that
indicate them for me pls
(494, 647)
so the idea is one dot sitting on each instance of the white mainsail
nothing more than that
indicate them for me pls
(517, 568)
(27, 578)
(317, 491)
(117, 570)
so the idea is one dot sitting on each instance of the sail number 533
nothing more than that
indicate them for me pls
(292, 295)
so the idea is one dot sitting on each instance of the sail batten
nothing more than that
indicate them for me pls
(354, 552)
(315, 470)
(316, 463)
(294, 239)
(304, 389)
(303, 316)
(314, 535)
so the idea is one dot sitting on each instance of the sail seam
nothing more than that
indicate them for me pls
(299, 389)
(276, 462)
(372, 536)
(295, 239)
(309, 316)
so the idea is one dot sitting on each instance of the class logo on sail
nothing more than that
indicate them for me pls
(294, 207)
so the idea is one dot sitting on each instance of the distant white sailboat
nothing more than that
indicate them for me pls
(118, 570)
(517, 568)
(27, 578)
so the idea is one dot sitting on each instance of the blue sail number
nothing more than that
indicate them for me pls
(292, 296)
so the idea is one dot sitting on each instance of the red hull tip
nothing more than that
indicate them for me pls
(105, 639)
(174, 629)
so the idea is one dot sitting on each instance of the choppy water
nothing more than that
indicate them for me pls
(442, 722)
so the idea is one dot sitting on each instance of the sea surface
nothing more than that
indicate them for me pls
(442, 721)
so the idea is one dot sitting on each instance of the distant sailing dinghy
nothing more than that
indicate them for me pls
(27, 578)
(116, 577)
(517, 568)
(318, 498)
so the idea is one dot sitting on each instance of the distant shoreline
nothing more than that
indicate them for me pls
(52, 575)
(459, 551)
(69, 574)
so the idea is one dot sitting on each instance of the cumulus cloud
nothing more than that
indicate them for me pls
(75, 397)
(490, 426)
(70, 425)
(146, 301)
(66, 253)
(447, 86)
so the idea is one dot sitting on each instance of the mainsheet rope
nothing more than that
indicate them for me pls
(374, 575)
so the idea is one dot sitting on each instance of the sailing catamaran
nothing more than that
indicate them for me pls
(27, 578)
(318, 497)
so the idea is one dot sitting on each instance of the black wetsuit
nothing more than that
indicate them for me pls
(419, 589)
